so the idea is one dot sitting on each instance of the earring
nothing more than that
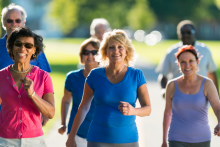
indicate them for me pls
(34, 55)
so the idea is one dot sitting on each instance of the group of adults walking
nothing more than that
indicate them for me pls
(104, 91)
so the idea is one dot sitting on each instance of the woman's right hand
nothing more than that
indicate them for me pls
(62, 129)
(164, 144)
(71, 142)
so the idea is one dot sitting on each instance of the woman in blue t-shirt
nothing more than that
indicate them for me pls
(74, 85)
(115, 89)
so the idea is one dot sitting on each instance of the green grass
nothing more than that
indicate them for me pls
(62, 55)
(61, 62)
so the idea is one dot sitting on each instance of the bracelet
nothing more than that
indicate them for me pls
(30, 96)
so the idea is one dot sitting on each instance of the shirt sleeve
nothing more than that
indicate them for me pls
(89, 79)
(141, 79)
(67, 84)
(164, 66)
(48, 85)
(42, 63)
(212, 66)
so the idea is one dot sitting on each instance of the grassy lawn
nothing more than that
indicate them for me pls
(62, 55)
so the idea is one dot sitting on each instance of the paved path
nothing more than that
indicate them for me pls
(150, 127)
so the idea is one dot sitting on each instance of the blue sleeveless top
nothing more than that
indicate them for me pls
(190, 117)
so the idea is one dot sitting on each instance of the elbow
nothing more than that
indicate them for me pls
(51, 113)
(149, 111)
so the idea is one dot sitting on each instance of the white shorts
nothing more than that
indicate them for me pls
(23, 142)
(81, 142)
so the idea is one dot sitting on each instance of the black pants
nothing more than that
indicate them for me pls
(99, 144)
(185, 144)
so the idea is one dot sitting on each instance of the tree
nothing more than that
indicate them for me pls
(3, 3)
(141, 16)
(120, 13)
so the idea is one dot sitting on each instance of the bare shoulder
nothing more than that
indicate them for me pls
(208, 83)
(170, 89)
(209, 87)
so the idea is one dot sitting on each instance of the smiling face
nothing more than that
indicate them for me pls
(13, 19)
(116, 52)
(188, 64)
(89, 59)
(23, 54)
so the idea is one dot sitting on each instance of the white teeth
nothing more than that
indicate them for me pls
(21, 54)
(188, 69)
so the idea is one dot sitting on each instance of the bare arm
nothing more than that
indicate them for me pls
(214, 78)
(81, 114)
(45, 105)
(168, 111)
(163, 82)
(64, 109)
(212, 95)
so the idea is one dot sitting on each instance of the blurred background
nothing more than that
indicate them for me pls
(151, 24)
(72, 18)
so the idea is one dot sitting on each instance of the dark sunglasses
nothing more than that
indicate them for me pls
(87, 52)
(188, 32)
(11, 21)
(26, 45)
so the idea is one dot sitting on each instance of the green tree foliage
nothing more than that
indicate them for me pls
(119, 13)
(3, 3)
(176, 10)
(66, 13)
(141, 16)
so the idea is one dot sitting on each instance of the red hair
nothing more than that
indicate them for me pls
(187, 48)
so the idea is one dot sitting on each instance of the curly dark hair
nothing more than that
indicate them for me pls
(25, 32)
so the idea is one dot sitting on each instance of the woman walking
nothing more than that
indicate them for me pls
(115, 88)
(74, 85)
(187, 100)
(26, 92)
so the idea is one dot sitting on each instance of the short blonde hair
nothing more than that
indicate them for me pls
(121, 37)
(93, 41)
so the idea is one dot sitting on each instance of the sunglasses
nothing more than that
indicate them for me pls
(87, 52)
(11, 21)
(26, 45)
(188, 32)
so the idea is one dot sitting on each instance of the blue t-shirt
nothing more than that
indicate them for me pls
(74, 83)
(109, 125)
(5, 59)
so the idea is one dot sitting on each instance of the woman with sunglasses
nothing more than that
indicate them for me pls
(187, 97)
(115, 88)
(73, 90)
(26, 92)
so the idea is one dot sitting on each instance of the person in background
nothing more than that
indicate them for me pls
(26, 92)
(167, 68)
(98, 27)
(14, 16)
(115, 88)
(73, 90)
(187, 97)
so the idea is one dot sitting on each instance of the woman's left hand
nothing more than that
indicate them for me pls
(217, 130)
(126, 108)
(28, 85)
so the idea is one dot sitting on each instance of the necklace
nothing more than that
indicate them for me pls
(118, 74)
(20, 71)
